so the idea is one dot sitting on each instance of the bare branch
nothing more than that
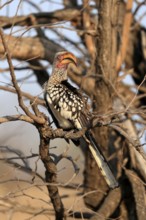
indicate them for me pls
(8, 2)
(14, 81)
(66, 14)
(87, 26)
(110, 203)
(138, 192)
(125, 35)
(26, 95)
(16, 118)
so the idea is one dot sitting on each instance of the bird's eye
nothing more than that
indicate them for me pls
(60, 57)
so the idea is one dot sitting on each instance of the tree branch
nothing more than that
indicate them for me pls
(67, 14)
(125, 35)
(34, 99)
(16, 118)
(39, 120)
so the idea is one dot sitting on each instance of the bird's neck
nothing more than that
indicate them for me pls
(58, 75)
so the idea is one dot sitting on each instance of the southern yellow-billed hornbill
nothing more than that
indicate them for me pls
(69, 109)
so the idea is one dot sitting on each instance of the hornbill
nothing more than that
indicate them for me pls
(69, 109)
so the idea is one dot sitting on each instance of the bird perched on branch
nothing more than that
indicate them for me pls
(69, 109)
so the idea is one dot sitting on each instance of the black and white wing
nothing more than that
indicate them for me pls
(69, 111)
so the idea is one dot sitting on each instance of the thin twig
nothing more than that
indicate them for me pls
(135, 94)
(39, 120)
(25, 94)
(16, 118)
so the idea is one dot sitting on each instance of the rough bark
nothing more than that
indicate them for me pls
(103, 96)
(104, 39)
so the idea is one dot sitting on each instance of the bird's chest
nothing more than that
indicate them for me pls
(65, 101)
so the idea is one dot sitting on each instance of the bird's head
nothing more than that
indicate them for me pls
(61, 63)
(63, 59)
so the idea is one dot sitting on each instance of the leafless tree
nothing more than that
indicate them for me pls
(110, 43)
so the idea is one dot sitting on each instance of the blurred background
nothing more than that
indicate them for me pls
(22, 196)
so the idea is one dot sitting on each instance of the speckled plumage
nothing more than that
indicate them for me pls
(65, 101)
(69, 109)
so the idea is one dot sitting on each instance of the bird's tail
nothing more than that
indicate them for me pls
(101, 161)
